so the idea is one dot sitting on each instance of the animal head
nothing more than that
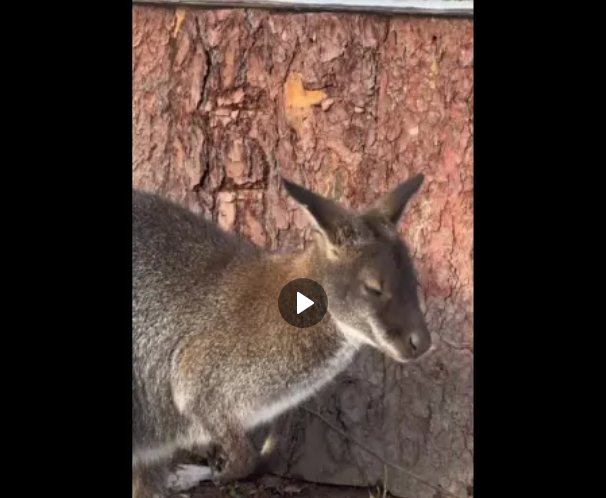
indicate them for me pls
(367, 271)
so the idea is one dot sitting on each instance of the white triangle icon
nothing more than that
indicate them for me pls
(303, 303)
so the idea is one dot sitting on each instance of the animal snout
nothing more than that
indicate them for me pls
(418, 342)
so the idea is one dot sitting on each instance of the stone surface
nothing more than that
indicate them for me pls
(226, 100)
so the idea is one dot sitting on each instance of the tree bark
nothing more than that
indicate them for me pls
(225, 101)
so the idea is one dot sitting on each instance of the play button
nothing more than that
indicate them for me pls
(303, 303)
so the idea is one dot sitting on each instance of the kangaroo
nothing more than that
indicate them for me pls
(212, 356)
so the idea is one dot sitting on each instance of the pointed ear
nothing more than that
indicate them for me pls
(393, 204)
(324, 214)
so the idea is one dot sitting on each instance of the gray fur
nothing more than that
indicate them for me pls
(212, 356)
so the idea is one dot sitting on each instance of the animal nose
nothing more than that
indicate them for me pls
(414, 341)
(418, 343)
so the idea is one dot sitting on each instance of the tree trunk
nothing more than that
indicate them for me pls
(349, 105)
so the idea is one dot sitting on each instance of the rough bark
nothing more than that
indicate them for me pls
(224, 101)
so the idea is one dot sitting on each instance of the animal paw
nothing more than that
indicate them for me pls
(216, 459)
(186, 477)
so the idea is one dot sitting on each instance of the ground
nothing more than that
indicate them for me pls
(274, 487)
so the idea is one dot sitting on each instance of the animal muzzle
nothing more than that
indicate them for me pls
(409, 345)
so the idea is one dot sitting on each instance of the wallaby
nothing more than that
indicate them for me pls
(212, 356)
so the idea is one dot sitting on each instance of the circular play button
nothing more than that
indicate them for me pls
(303, 303)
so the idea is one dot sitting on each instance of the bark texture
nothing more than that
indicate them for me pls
(224, 101)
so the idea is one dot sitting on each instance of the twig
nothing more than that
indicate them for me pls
(379, 457)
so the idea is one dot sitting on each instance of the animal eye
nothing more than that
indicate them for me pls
(372, 289)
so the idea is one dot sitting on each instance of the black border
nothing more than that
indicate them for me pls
(524, 343)
(68, 345)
